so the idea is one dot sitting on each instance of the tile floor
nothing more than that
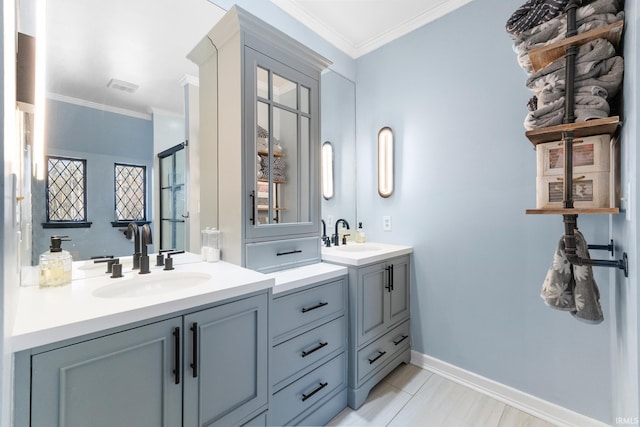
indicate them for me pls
(410, 396)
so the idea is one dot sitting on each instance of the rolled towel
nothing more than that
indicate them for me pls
(533, 13)
(586, 107)
(549, 115)
(550, 95)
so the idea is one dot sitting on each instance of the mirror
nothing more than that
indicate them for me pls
(106, 126)
(338, 125)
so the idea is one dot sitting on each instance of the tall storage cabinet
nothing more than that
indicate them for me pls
(261, 88)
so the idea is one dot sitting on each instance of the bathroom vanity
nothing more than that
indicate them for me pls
(90, 357)
(379, 336)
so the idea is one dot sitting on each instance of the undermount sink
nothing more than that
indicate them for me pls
(151, 284)
(358, 247)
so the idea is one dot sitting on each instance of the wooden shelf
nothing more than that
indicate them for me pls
(543, 56)
(275, 182)
(574, 211)
(607, 125)
(266, 153)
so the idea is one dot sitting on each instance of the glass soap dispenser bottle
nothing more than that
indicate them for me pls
(360, 236)
(55, 265)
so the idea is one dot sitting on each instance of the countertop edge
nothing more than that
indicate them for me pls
(353, 262)
(36, 338)
(309, 275)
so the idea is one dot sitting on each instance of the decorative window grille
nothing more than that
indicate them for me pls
(130, 192)
(66, 189)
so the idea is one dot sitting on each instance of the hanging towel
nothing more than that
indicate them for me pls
(569, 287)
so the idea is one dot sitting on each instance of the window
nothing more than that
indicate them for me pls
(130, 192)
(66, 192)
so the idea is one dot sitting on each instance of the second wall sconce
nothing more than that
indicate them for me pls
(327, 170)
(385, 162)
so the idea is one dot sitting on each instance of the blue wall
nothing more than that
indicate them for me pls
(102, 138)
(455, 97)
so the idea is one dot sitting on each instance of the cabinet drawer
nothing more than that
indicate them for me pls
(300, 310)
(302, 351)
(305, 392)
(374, 355)
(282, 254)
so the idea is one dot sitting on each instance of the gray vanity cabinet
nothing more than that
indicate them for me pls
(204, 368)
(382, 297)
(378, 323)
(309, 361)
(225, 374)
(260, 106)
(116, 380)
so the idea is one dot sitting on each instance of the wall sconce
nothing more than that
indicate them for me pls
(327, 170)
(385, 162)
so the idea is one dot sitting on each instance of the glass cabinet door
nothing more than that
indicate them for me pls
(282, 122)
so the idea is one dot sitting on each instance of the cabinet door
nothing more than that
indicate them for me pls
(228, 345)
(399, 295)
(372, 304)
(124, 379)
(281, 138)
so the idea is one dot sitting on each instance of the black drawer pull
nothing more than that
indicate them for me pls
(314, 349)
(314, 391)
(404, 337)
(380, 354)
(194, 349)
(322, 304)
(176, 342)
(289, 253)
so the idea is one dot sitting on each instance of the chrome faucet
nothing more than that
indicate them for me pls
(133, 232)
(336, 237)
(145, 235)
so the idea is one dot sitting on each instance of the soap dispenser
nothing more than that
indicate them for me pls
(360, 237)
(55, 264)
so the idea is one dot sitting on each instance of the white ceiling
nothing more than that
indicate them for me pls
(145, 42)
(359, 26)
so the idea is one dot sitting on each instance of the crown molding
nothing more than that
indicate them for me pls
(97, 106)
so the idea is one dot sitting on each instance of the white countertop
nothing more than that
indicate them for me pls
(305, 275)
(48, 315)
(357, 254)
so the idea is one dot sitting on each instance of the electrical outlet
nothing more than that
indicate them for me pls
(386, 223)
(329, 220)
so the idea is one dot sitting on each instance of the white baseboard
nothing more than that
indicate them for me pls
(535, 406)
